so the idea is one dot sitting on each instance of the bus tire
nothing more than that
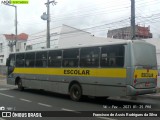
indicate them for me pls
(20, 87)
(75, 92)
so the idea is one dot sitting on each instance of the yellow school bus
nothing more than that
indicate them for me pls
(127, 68)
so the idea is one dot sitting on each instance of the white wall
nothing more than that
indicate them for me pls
(5, 50)
(72, 37)
(38, 41)
(65, 36)
(21, 45)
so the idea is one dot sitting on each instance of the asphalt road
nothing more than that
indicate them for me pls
(36, 100)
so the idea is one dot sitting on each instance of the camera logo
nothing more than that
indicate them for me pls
(6, 114)
(2, 108)
(15, 2)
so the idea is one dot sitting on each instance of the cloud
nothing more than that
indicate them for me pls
(76, 13)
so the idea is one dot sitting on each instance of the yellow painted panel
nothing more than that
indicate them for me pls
(143, 73)
(99, 72)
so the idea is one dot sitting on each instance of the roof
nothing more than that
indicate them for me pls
(84, 46)
(22, 36)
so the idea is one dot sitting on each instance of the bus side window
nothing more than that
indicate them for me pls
(30, 59)
(70, 58)
(41, 59)
(12, 60)
(112, 56)
(104, 59)
(54, 58)
(20, 60)
(89, 57)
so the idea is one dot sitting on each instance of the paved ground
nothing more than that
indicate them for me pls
(35, 100)
(155, 95)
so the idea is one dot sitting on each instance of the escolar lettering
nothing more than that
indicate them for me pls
(77, 72)
(147, 74)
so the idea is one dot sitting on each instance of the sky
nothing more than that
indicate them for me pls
(95, 16)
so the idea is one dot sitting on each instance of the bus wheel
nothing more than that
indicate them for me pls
(20, 87)
(75, 92)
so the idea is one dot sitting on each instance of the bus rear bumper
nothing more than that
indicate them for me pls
(131, 91)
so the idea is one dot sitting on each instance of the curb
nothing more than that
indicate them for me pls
(3, 76)
(154, 95)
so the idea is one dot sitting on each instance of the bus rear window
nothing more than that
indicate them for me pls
(144, 54)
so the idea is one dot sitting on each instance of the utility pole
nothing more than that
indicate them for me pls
(132, 19)
(15, 25)
(47, 17)
(14, 42)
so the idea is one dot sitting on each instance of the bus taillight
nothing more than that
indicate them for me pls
(147, 84)
(135, 80)
(156, 80)
(137, 93)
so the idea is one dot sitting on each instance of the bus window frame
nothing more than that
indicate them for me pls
(54, 51)
(41, 60)
(113, 57)
(75, 59)
(30, 59)
(16, 56)
(9, 60)
(85, 57)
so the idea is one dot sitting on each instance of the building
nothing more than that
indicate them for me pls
(5, 45)
(63, 37)
(60, 37)
(125, 33)
(38, 40)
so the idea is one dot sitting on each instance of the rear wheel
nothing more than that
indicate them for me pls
(75, 92)
(20, 87)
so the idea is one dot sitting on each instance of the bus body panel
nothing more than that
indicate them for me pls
(94, 84)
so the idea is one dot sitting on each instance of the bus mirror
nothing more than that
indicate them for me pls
(7, 62)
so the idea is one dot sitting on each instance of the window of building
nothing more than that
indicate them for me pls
(20, 60)
(1, 60)
(24, 45)
(30, 59)
(70, 58)
(11, 49)
(112, 56)
(1, 47)
(29, 47)
(89, 57)
(18, 46)
(41, 59)
(54, 58)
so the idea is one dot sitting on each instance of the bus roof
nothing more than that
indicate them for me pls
(110, 42)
